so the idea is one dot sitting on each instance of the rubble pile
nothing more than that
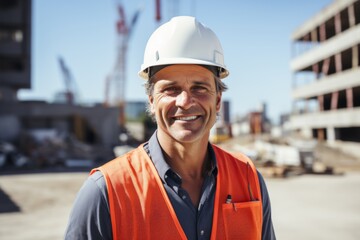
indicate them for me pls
(46, 148)
(285, 157)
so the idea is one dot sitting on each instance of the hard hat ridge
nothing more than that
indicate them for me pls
(183, 40)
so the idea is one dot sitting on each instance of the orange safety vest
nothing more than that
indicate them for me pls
(140, 208)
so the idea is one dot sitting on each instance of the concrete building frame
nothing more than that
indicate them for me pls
(326, 74)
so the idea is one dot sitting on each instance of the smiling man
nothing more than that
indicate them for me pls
(177, 185)
(185, 103)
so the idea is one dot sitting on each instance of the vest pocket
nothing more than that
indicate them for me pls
(242, 220)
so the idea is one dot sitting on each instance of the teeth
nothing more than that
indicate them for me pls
(186, 118)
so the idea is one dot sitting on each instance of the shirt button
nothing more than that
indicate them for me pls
(183, 197)
(166, 176)
(202, 232)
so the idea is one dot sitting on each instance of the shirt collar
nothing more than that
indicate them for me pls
(155, 152)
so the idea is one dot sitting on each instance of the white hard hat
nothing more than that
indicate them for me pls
(183, 40)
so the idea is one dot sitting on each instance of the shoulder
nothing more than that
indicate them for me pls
(236, 155)
(129, 157)
(98, 182)
(233, 157)
(90, 216)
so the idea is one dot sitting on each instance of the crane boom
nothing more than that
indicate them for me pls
(70, 90)
(157, 11)
(116, 80)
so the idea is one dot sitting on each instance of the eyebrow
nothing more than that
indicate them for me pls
(202, 83)
(168, 82)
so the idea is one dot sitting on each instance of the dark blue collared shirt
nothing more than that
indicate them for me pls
(90, 216)
(196, 221)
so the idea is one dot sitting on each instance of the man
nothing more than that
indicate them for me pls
(177, 185)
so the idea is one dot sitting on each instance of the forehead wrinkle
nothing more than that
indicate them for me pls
(171, 76)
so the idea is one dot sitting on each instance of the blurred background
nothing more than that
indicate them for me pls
(71, 99)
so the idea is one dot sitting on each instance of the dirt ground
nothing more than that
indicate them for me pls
(40, 204)
(316, 207)
(36, 206)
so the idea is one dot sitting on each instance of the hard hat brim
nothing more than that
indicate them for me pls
(144, 72)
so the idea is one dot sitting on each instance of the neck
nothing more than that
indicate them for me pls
(187, 159)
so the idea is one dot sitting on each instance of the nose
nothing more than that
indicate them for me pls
(184, 100)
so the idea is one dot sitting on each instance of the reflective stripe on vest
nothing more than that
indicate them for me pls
(140, 208)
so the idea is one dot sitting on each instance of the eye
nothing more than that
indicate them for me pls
(199, 89)
(170, 90)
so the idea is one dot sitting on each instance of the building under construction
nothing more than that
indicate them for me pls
(326, 74)
(46, 133)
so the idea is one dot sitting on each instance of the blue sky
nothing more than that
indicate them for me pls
(255, 36)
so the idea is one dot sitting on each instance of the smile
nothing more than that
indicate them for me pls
(188, 118)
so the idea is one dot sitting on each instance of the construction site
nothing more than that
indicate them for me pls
(47, 148)
(66, 132)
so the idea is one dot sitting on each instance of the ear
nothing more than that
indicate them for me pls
(218, 101)
(151, 104)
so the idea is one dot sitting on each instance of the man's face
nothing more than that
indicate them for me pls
(185, 102)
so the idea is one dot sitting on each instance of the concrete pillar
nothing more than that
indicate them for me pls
(337, 23)
(320, 134)
(355, 56)
(321, 102)
(325, 67)
(314, 37)
(349, 98)
(338, 63)
(322, 32)
(331, 136)
(334, 100)
(351, 13)
(315, 69)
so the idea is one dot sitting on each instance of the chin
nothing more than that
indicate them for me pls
(187, 136)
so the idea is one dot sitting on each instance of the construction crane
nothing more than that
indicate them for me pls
(70, 93)
(116, 80)
(173, 9)
(157, 11)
